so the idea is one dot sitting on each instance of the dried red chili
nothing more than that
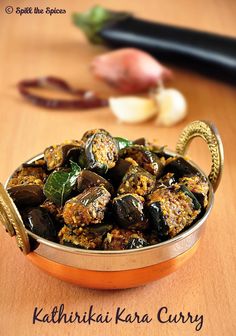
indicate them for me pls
(86, 99)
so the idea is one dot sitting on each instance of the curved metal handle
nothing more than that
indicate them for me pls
(11, 219)
(210, 134)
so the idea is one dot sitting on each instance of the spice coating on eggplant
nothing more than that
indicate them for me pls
(137, 181)
(171, 210)
(55, 156)
(86, 208)
(118, 239)
(145, 158)
(198, 185)
(28, 176)
(101, 152)
(89, 238)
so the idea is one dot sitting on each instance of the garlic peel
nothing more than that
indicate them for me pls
(172, 107)
(131, 109)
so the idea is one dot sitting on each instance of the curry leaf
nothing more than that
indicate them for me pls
(60, 184)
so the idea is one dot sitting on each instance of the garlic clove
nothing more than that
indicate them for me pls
(133, 109)
(172, 107)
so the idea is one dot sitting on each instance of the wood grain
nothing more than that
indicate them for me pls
(42, 45)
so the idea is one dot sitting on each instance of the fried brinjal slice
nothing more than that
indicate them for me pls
(88, 179)
(57, 155)
(117, 173)
(88, 238)
(55, 211)
(28, 176)
(137, 181)
(91, 132)
(180, 168)
(145, 158)
(27, 195)
(171, 210)
(40, 222)
(166, 181)
(128, 210)
(199, 186)
(101, 152)
(86, 208)
(118, 239)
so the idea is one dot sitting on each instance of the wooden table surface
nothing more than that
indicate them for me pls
(33, 46)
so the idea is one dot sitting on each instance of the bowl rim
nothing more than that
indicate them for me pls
(79, 251)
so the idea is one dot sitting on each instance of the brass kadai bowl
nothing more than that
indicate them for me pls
(126, 268)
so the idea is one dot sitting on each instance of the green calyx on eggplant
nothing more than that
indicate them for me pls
(180, 168)
(123, 143)
(136, 243)
(144, 157)
(40, 222)
(129, 213)
(59, 155)
(87, 179)
(27, 195)
(101, 152)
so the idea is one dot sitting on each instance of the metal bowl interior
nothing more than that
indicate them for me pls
(99, 260)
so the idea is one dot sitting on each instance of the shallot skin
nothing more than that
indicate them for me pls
(129, 70)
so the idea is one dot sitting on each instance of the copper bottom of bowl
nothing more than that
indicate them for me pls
(111, 279)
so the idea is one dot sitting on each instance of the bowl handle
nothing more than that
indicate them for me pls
(210, 134)
(11, 220)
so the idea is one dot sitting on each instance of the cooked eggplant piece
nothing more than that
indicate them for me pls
(101, 152)
(199, 186)
(88, 179)
(118, 239)
(86, 208)
(128, 210)
(166, 181)
(56, 156)
(28, 176)
(180, 168)
(145, 158)
(141, 142)
(40, 222)
(117, 173)
(90, 133)
(37, 163)
(27, 195)
(55, 211)
(171, 210)
(137, 181)
(88, 238)
(136, 243)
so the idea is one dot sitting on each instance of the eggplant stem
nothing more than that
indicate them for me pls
(92, 21)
